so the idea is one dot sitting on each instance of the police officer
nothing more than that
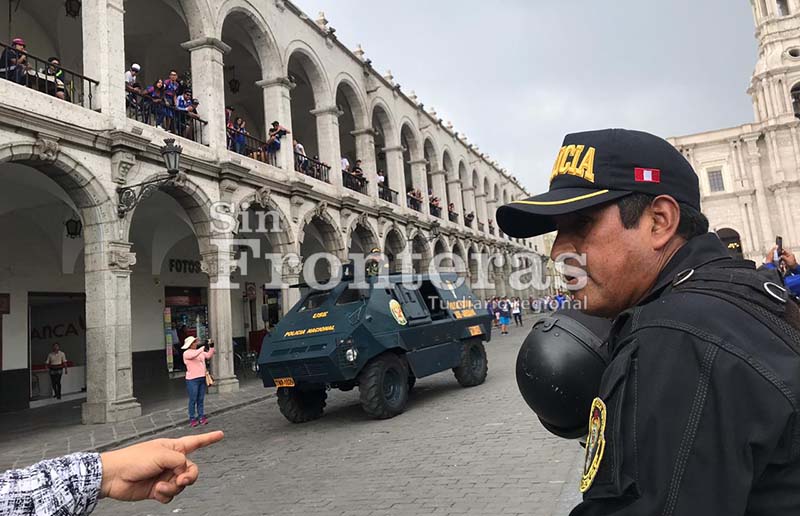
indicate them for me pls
(697, 410)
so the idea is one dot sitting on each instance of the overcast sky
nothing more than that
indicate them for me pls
(516, 75)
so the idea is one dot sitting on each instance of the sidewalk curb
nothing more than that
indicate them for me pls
(126, 440)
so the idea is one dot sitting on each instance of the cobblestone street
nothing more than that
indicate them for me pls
(476, 451)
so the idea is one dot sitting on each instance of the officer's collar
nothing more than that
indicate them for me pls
(694, 254)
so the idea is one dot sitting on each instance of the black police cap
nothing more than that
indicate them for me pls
(596, 167)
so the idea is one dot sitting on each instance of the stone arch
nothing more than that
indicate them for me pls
(447, 164)
(383, 115)
(195, 202)
(312, 66)
(355, 97)
(282, 240)
(457, 249)
(265, 47)
(319, 233)
(80, 185)
(333, 242)
(196, 15)
(365, 234)
(393, 246)
(412, 151)
(420, 246)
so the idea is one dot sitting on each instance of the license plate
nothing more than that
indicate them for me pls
(475, 330)
(284, 382)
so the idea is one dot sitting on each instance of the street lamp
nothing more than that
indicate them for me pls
(129, 196)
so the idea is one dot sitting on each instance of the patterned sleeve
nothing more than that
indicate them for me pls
(64, 486)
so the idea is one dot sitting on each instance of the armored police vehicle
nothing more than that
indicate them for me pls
(380, 338)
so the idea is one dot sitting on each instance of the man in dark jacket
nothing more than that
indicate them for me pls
(697, 412)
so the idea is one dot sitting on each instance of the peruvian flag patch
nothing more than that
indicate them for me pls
(647, 175)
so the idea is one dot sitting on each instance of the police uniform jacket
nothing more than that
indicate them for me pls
(700, 400)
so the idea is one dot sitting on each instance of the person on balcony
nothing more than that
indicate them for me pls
(276, 132)
(300, 159)
(172, 89)
(345, 164)
(184, 102)
(155, 99)
(229, 126)
(451, 211)
(239, 135)
(131, 76)
(14, 62)
(469, 218)
(54, 75)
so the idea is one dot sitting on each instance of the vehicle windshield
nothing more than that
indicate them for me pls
(314, 300)
(352, 295)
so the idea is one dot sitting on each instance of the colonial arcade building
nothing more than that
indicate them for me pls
(116, 271)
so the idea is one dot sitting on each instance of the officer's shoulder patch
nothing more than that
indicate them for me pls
(595, 443)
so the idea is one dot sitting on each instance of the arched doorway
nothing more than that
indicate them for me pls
(393, 248)
(303, 72)
(319, 244)
(420, 254)
(384, 133)
(242, 70)
(732, 241)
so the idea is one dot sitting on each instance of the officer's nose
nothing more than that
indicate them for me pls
(562, 244)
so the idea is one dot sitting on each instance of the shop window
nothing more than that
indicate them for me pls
(715, 181)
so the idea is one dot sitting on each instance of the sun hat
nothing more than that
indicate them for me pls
(187, 342)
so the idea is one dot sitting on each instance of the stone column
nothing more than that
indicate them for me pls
(777, 96)
(290, 275)
(394, 172)
(454, 196)
(219, 265)
(419, 175)
(109, 368)
(480, 209)
(747, 238)
(762, 213)
(491, 206)
(330, 151)
(277, 106)
(104, 57)
(793, 175)
(774, 156)
(208, 86)
(365, 151)
(438, 177)
(469, 206)
(787, 95)
(768, 102)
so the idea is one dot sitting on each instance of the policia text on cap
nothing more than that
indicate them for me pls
(698, 409)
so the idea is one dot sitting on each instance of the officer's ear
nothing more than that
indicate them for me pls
(665, 215)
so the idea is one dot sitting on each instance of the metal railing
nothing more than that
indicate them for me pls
(38, 74)
(387, 194)
(158, 113)
(312, 167)
(354, 182)
(453, 216)
(436, 211)
(414, 203)
(250, 146)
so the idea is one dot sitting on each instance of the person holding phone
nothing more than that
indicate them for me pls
(195, 359)
(786, 263)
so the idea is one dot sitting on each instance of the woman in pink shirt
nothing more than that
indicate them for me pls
(195, 360)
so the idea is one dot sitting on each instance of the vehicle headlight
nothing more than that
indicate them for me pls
(351, 355)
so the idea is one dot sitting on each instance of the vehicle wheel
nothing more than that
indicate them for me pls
(383, 386)
(474, 365)
(301, 406)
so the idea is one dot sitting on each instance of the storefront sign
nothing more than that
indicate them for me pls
(184, 266)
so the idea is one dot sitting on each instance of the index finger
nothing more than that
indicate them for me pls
(190, 443)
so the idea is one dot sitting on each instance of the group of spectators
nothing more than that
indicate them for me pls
(238, 139)
(15, 66)
(502, 309)
(353, 175)
(552, 303)
(414, 198)
(166, 103)
(309, 166)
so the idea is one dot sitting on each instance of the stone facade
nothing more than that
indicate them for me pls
(90, 153)
(750, 174)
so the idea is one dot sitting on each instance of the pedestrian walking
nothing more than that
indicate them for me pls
(195, 359)
(56, 364)
(516, 311)
(504, 315)
(697, 411)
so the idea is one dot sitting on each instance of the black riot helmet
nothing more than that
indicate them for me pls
(559, 368)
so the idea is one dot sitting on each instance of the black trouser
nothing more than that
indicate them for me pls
(518, 319)
(55, 380)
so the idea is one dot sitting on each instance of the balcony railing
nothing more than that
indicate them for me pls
(414, 203)
(436, 211)
(387, 194)
(252, 147)
(453, 216)
(312, 167)
(38, 74)
(481, 226)
(156, 112)
(354, 182)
